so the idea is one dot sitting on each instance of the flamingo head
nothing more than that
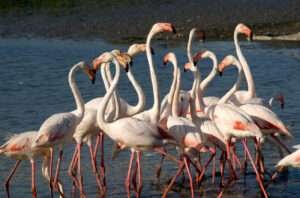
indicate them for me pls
(163, 27)
(103, 58)
(280, 98)
(123, 59)
(136, 48)
(227, 61)
(189, 66)
(88, 71)
(170, 57)
(241, 28)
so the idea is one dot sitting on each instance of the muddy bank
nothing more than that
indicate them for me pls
(132, 19)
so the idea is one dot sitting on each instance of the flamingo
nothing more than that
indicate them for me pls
(233, 121)
(58, 129)
(184, 131)
(249, 96)
(266, 119)
(208, 100)
(88, 127)
(137, 134)
(153, 113)
(183, 103)
(290, 160)
(19, 147)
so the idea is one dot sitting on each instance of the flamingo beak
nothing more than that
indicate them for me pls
(152, 51)
(173, 29)
(220, 73)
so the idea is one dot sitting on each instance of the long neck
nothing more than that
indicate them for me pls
(234, 88)
(193, 91)
(156, 97)
(115, 100)
(246, 69)
(211, 75)
(76, 94)
(175, 97)
(103, 104)
(141, 96)
(189, 45)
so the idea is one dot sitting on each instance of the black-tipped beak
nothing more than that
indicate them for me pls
(251, 36)
(174, 30)
(131, 63)
(152, 51)
(127, 67)
(282, 105)
(220, 73)
(195, 62)
(184, 70)
(93, 80)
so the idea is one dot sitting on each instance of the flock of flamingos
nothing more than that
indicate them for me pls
(186, 120)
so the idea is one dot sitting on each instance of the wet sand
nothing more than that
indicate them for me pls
(131, 19)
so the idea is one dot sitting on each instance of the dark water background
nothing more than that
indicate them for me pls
(33, 85)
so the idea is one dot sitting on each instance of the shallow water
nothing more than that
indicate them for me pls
(34, 86)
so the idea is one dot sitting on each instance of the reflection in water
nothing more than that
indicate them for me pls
(34, 86)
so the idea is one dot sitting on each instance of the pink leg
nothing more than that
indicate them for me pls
(255, 169)
(213, 170)
(228, 148)
(245, 158)
(213, 153)
(71, 171)
(133, 178)
(127, 180)
(96, 145)
(158, 169)
(50, 170)
(79, 176)
(222, 167)
(163, 152)
(180, 169)
(235, 157)
(281, 144)
(187, 166)
(33, 186)
(7, 181)
(93, 163)
(58, 168)
(139, 167)
(102, 164)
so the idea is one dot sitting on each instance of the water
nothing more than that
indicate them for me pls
(34, 85)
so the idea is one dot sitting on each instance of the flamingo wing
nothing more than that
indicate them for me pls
(266, 119)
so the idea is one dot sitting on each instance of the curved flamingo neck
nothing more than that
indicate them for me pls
(175, 97)
(198, 98)
(141, 96)
(103, 104)
(235, 87)
(114, 103)
(156, 97)
(76, 93)
(172, 89)
(193, 96)
(211, 75)
(249, 78)
(189, 45)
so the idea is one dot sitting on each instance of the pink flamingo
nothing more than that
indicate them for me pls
(137, 134)
(242, 96)
(19, 147)
(234, 122)
(59, 128)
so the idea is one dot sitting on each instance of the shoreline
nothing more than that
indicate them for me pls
(131, 20)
